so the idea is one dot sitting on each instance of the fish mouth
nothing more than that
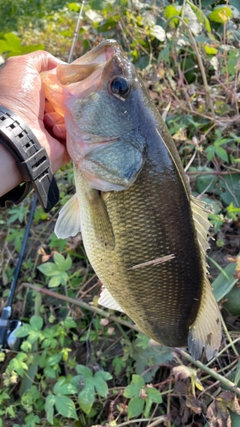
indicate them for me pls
(100, 53)
(84, 67)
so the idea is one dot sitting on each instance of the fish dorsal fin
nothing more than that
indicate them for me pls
(107, 300)
(206, 331)
(68, 222)
(202, 224)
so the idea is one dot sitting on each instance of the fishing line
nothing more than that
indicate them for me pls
(8, 326)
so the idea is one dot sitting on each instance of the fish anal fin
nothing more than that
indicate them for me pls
(107, 300)
(206, 331)
(68, 222)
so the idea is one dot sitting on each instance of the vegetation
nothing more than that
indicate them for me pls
(79, 365)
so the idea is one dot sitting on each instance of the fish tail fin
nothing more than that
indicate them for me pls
(206, 331)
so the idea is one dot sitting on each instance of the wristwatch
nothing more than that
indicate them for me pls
(32, 162)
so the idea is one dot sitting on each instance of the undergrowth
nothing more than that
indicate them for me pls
(79, 365)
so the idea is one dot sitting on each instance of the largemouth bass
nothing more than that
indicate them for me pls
(145, 236)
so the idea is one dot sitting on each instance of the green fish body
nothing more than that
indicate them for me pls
(145, 236)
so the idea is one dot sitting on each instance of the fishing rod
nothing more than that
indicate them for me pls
(9, 326)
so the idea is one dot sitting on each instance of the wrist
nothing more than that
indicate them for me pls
(31, 160)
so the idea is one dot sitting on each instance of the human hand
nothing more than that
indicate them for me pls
(21, 91)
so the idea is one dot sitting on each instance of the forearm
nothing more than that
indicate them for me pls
(10, 176)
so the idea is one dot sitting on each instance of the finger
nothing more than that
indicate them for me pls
(43, 61)
(59, 131)
(48, 107)
(52, 118)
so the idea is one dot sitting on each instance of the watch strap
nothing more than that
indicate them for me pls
(32, 162)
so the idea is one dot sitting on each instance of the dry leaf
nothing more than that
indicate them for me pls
(218, 413)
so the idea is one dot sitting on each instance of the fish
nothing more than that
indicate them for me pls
(145, 235)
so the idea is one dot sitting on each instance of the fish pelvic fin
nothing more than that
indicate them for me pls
(206, 331)
(107, 300)
(68, 222)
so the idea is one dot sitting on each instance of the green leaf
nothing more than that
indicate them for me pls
(118, 363)
(33, 336)
(61, 262)
(237, 374)
(150, 358)
(84, 371)
(220, 14)
(135, 387)
(222, 153)
(235, 419)
(227, 187)
(54, 359)
(61, 387)
(105, 375)
(86, 397)
(18, 364)
(200, 16)
(50, 373)
(154, 395)
(36, 322)
(135, 407)
(169, 12)
(57, 280)
(211, 151)
(23, 331)
(65, 407)
(48, 269)
(49, 404)
(69, 323)
(142, 341)
(224, 282)
(100, 385)
(210, 50)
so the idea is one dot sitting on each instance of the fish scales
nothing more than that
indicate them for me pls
(133, 202)
(151, 231)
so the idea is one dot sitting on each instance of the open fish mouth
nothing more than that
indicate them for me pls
(82, 68)
(82, 77)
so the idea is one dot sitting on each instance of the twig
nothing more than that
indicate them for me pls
(212, 173)
(81, 304)
(199, 59)
(229, 336)
(156, 421)
(227, 383)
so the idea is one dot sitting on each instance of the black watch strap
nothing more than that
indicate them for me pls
(32, 161)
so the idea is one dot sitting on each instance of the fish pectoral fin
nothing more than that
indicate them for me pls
(100, 219)
(68, 222)
(206, 331)
(107, 300)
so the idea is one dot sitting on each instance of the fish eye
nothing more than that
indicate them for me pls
(120, 88)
